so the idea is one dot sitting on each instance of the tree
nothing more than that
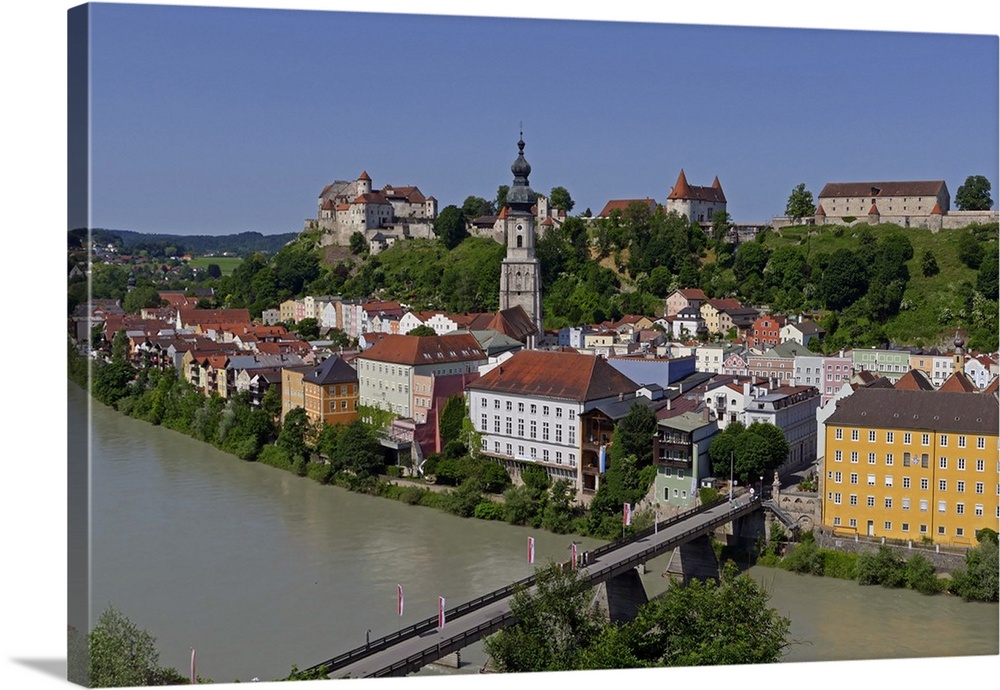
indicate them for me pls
(800, 203)
(449, 227)
(634, 433)
(359, 451)
(214, 271)
(987, 277)
(979, 580)
(552, 626)
(450, 423)
(721, 224)
(308, 328)
(357, 243)
(141, 298)
(475, 206)
(122, 654)
(422, 330)
(974, 195)
(501, 198)
(751, 258)
(292, 438)
(844, 279)
(559, 198)
(970, 249)
(928, 264)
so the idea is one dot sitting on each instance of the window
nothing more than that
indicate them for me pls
(496, 446)
(943, 462)
(520, 450)
(853, 499)
(980, 487)
(960, 486)
(545, 410)
(482, 402)
(888, 459)
(854, 434)
(942, 485)
(961, 463)
(534, 452)
(906, 504)
(871, 436)
(871, 458)
(941, 529)
(559, 412)
(925, 484)
(925, 439)
(871, 480)
(509, 427)
(836, 521)
(838, 456)
(905, 527)
(960, 509)
(923, 529)
(558, 433)
(980, 465)
(906, 459)
(942, 506)
(854, 477)
(888, 525)
(979, 510)
(545, 431)
(572, 436)
(559, 457)
(959, 531)
(923, 505)
(510, 405)
(545, 454)
(534, 408)
(496, 404)
(888, 502)
(509, 452)
(520, 407)
(836, 498)
(907, 438)
(854, 456)
(961, 441)
(496, 424)
(837, 477)
(906, 482)
(520, 428)
(890, 437)
(925, 460)
(871, 501)
(853, 522)
(572, 413)
(981, 443)
(944, 440)
(888, 480)
(838, 434)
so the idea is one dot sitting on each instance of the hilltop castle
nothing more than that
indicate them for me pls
(346, 207)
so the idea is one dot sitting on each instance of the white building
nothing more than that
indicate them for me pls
(793, 410)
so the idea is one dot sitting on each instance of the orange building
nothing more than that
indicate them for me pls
(327, 392)
(913, 464)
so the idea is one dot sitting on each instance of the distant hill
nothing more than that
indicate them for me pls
(241, 244)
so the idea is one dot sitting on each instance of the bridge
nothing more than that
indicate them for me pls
(422, 643)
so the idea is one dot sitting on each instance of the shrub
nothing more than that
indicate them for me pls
(804, 558)
(275, 457)
(920, 576)
(488, 510)
(394, 471)
(881, 568)
(840, 565)
(707, 494)
(412, 495)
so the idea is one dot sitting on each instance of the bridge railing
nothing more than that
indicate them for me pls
(358, 653)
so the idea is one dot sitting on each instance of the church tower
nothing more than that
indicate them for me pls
(520, 272)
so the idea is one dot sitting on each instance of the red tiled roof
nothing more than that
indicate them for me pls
(683, 190)
(410, 194)
(513, 322)
(937, 210)
(882, 189)
(914, 380)
(622, 204)
(215, 316)
(873, 211)
(364, 176)
(553, 374)
(431, 349)
(958, 382)
(820, 211)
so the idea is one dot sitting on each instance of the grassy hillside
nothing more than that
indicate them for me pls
(932, 307)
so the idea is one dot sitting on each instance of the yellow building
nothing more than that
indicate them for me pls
(911, 464)
(327, 392)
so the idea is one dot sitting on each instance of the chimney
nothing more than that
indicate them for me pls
(621, 397)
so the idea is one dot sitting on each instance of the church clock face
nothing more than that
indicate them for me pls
(520, 227)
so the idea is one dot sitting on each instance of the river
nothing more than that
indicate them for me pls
(258, 569)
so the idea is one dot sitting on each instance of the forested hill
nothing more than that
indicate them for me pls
(241, 244)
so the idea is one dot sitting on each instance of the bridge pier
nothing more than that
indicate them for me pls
(694, 559)
(621, 596)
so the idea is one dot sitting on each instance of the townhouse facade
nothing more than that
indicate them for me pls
(527, 409)
(910, 464)
(328, 392)
(680, 452)
(891, 364)
(793, 410)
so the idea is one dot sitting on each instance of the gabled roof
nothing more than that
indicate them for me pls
(417, 350)
(552, 374)
(513, 322)
(882, 189)
(622, 204)
(958, 382)
(724, 303)
(807, 327)
(914, 380)
(214, 316)
(410, 194)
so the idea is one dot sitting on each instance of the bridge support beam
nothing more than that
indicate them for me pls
(694, 559)
(621, 596)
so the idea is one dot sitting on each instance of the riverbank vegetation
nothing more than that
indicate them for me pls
(885, 567)
(559, 628)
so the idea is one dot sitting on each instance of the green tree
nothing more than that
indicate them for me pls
(214, 271)
(721, 224)
(987, 276)
(501, 198)
(844, 279)
(357, 243)
(141, 298)
(449, 227)
(559, 198)
(979, 580)
(292, 438)
(800, 203)
(751, 258)
(359, 451)
(634, 433)
(122, 654)
(422, 330)
(970, 249)
(553, 625)
(475, 206)
(452, 414)
(308, 328)
(974, 195)
(928, 264)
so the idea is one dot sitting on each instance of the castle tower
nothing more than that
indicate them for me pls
(364, 183)
(520, 272)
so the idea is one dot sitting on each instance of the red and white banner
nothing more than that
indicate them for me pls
(193, 676)
(440, 613)
(531, 549)
(627, 515)
(399, 600)
(573, 552)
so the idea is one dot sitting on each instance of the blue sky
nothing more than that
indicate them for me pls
(219, 120)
